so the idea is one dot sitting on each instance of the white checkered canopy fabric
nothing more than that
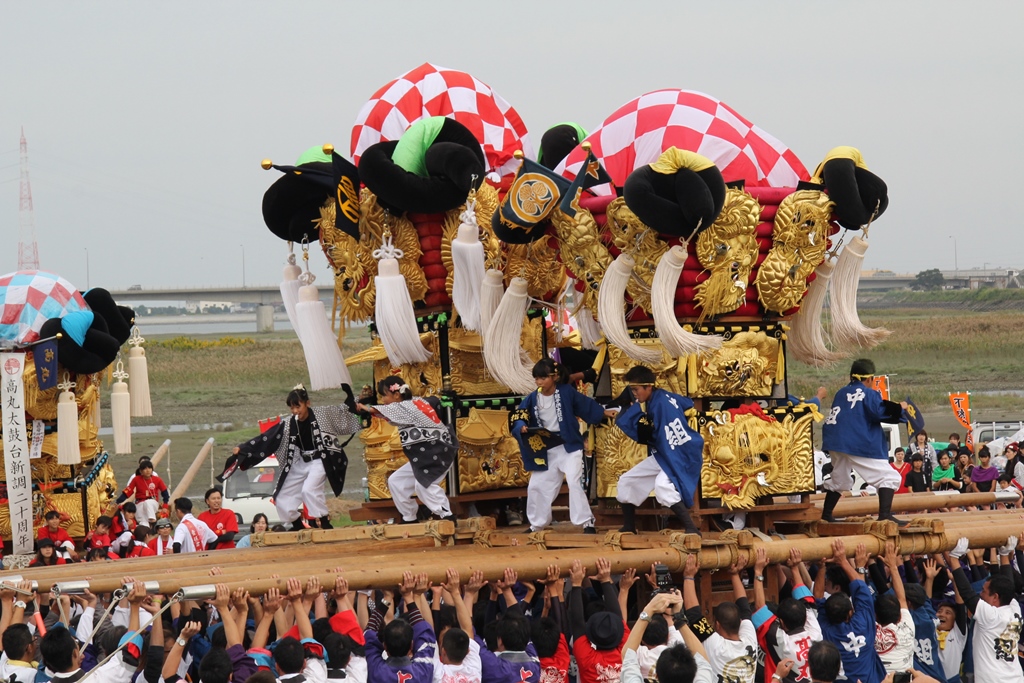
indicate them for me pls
(640, 130)
(430, 90)
(28, 298)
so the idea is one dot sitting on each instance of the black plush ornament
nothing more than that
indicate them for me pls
(291, 205)
(857, 192)
(680, 204)
(556, 143)
(118, 319)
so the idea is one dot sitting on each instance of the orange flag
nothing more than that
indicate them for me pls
(880, 383)
(961, 404)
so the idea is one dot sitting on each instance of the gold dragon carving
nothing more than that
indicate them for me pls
(582, 252)
(635, 238)
(799, 243)
(748, 456)
(486, 204)
(745, 365)
(536, 262)
(488, 457)
(616, 453)
(354, 265)
(670, 372)
(729, 250)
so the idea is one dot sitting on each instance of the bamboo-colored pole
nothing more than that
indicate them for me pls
(182, 488)
(160, 453)
(867, 505)
(532, 563)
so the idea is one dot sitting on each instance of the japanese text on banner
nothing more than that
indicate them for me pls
(880, 383)
(960, 401)
(16, 451)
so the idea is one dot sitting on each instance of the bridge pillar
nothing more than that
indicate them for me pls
(264, 318)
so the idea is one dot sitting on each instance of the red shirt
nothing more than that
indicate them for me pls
(58, 537)
(144, 489)
(141, 550)
(94, 540)
(221, 523)
(598, 665)
(902, 469)
(36, 563)
(168, 546)
(555, 669)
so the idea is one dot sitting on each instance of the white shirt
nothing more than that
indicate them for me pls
(356, 669)
(468, 672)
(546, 413)
(734, 659)
(182, 535)
(951, 652)
(23, 674)
(647, 657)
(894, 643)
(631, 670)
(996, 632)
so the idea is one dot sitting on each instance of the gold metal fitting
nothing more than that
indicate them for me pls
(328, 149)
(518, 154)
(267, 164)
(585, 145)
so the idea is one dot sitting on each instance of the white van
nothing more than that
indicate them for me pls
(248, 493)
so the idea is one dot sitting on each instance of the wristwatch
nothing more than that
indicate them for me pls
(182, 642)
(862, 570)
(644, 616)
(759, 577)
(20, 604)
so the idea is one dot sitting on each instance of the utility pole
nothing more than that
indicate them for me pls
(956, 260)
(243, 265)
(28, 250)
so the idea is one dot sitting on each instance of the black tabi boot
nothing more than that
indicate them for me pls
(297, 525)
(628, 519)
(683, 515)
(885, 507)
(325, 522)
(831, 498)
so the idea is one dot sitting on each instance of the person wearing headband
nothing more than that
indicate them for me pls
(309, 450)
(852, 436)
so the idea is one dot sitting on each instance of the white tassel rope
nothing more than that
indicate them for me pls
(395, 317)
(491, 291)
(68, 452)
(806, 338)
(847, 329)
(326, 365)
(290, 290)
(138, 376)
(677, 341)
(121, 412)
(590, 329)
(610, 301)
(502, 350)
(468, 269)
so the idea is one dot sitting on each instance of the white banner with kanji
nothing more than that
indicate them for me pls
(16, 452)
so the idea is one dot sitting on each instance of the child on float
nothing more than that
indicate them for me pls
(556, 407)
(428, 443)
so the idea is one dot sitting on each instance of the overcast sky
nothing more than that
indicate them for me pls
(146, 122)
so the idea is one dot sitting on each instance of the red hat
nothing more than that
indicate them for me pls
(1014, 445)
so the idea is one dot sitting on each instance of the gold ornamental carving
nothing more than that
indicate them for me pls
(670, 372)
(488, 457)
(537, 263)
(616, 453)
(468, 370)
(382, 449)
(747, 364)
(728, 249)
(799, 243)
(750, 455)
(582, 252)
(634, 237)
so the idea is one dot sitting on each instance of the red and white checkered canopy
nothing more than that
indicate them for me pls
(430, 90)
(28, 298)
(640, 130)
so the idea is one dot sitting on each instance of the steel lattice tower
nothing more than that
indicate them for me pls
(28, 250)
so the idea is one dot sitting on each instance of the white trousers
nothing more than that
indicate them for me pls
(874, 471)
(145, 512)
(636, 485)
(304, 485)
(403, 486)
(544, 487)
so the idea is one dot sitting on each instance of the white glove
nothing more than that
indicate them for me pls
(961, 548)
(1011, 545)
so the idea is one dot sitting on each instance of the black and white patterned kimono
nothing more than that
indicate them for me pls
(430, 446)
(303, 466)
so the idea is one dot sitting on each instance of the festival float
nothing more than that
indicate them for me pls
(59, 349)
(677, 235)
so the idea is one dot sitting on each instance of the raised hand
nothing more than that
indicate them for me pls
(604, 571)
(628, 579)
(760, 560)
(577, 573)
(795, 558)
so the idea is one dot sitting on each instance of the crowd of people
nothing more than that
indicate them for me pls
(922, 468)
(946, 617)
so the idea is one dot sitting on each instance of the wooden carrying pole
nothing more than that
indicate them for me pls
(919, 502)
(182, 488)
(532, 564)
(160, 453)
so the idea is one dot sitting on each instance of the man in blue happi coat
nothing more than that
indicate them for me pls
(852, 436)
(657, 419)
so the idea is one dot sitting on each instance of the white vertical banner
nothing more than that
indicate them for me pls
(16, 452)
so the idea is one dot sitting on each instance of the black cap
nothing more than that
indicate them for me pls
(604, 631)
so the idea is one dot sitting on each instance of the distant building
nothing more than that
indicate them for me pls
(977, 278)
(202, 306)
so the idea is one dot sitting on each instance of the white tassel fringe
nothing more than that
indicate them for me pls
(290, 291)
(491, 291)
(590, 329)
(468, 271)
(847, 329)
(502, 351)
(610, 301)
(806, 338)
(138, 382)
(326, 365)
(120, 418)
(677, 341)
(68, 452)
(395, 317)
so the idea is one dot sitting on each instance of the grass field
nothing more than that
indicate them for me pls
(221, 388)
